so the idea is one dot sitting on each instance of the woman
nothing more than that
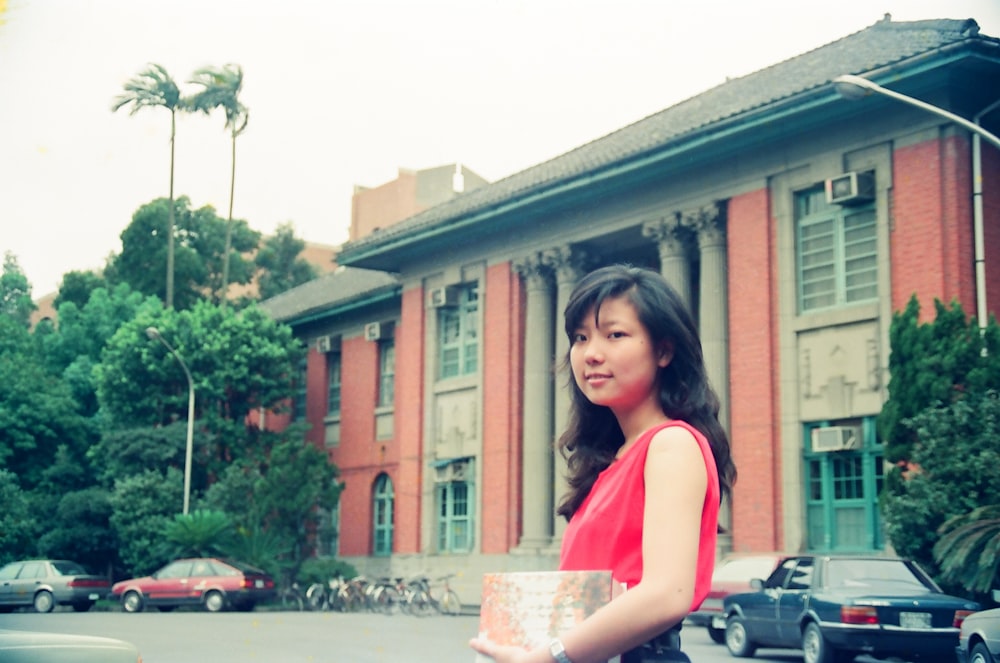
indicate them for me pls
(648, 465)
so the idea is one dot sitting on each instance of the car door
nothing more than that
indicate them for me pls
(7, 575)
(23, 586)
(793, 600)
(760, 613)
(171, 583)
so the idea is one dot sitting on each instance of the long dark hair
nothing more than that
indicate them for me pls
(593, 436)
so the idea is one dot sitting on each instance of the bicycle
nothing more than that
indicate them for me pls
(292, 598)
(445, 601)
(340, 595)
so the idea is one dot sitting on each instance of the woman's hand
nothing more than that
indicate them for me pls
(500, 653)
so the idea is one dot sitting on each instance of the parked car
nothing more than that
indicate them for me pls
(210, 582)
(836, 607)
(39, 647)
(979, 638)
(45, 583)
(732, 574)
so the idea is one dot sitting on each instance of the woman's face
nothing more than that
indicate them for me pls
(613, 358)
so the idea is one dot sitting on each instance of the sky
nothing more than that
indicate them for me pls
(346, 93)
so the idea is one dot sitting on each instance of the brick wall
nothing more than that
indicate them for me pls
(754, 370)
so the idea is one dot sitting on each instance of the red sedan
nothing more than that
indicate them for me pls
(215, 584)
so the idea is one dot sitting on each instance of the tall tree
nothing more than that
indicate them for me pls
(153, 87)
(280, 267)
(221, 89)
(15, 291)
(199, 251)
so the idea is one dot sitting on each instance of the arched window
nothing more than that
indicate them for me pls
(382, 505)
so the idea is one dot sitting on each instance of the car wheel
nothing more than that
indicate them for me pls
(214, 601)
(718, 635)
(132, 602)
(815, 648)
(737, 639)
(980, 654)
(44, 602)
(83, 606)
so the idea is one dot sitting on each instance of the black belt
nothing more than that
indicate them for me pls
(664, 647)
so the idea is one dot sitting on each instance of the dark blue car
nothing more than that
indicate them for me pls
(837, 607)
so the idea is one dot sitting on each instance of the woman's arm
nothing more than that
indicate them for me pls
(676, 481)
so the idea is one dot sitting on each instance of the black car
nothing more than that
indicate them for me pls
(837, 607)
(46, 583)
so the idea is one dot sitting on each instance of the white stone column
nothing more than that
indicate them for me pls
(568, 266)
(713, 319)
(709, 223)
(673, 240)
(536, 445)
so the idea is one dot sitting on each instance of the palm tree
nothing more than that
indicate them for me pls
(221, 89)
(968, 551)
(154, 87)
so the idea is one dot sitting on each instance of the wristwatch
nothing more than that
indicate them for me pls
(558, 651)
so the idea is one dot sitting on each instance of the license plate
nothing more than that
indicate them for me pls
(259, 584)
(719, 622)
(915, 619)
(93, 597)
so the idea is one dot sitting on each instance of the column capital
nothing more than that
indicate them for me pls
(533, 269)
(709, 222)
(566, 262)
(670, 232)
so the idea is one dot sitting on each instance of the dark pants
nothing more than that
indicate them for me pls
(664, 647)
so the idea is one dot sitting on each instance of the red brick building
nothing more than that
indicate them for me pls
(794, 222)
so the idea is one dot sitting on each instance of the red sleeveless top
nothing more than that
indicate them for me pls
(605, 533)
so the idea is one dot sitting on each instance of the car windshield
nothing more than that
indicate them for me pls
(861, 573)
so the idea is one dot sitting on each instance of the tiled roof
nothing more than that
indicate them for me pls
(343, 285)
(882, 44)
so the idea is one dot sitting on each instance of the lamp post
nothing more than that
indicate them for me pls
(154, 334)
(856, 87)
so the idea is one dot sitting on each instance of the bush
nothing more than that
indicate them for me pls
(321, 569)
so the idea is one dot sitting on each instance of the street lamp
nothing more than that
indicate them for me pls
(856, 87)
(154, 334)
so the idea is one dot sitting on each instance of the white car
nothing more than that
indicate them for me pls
(40, 647)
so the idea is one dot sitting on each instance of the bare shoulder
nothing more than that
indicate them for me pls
(674, 440)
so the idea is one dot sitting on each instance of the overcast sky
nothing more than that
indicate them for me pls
(346, 93)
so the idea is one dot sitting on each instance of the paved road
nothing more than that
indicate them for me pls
(309, 637)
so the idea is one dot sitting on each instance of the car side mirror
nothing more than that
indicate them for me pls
(756, 583)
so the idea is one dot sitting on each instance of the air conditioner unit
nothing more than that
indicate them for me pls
(373, 331)
(440, 297)
(851, 188)
(323, 344)
(835, 438)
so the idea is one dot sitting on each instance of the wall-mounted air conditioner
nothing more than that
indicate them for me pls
(373, 331)
(439, 297)
(835, 438)
(323, 344)
(851, 188)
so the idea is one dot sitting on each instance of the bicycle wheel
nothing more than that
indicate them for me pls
(450, 603)
(291, 599)
(387, 600)
(420, 603)
(316, 596)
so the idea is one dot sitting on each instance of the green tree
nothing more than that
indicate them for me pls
(143, 506)
(968, 551)
(15, 292)
(199, 253)
(932, 364)
(153, 87)
(939, 427)
(18, 524)
(76, 287)
(280, 267)
(37, 410)
(221, 89)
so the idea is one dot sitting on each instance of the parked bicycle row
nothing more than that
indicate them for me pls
(419, 596)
